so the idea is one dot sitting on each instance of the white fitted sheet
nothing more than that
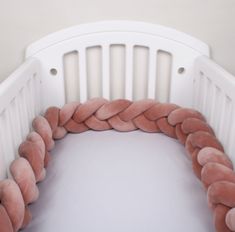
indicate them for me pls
(120, 182)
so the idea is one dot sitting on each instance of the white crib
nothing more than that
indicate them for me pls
(115, 59)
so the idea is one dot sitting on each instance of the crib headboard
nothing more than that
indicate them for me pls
(117, 59)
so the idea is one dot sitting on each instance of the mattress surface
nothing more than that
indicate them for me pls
(112, 181)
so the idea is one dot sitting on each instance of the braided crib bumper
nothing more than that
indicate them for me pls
(209, 162)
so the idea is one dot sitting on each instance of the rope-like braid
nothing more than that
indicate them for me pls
(209, 162)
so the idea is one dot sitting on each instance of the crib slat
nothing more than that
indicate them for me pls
(3, 148)
(228, 119)
(18, 121)
(3, 167)
(29, 101)
(106, 71)
(221, 117)
(83, 74)
(14, 126)
(32, 97)
(205, 94)
(218, 109)
(152, 73)
(8, 135)
(129, 72)
(21, 116)
(208, 100)
(201, 94)
(37, 94)
(212, 105)
(231, 134)
(196, 92)
(25, 117)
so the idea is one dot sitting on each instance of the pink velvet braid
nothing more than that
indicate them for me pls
(135, 109)
(213, 155)
(213, 172)
(52, 117)
(159, 110)
(120, 125)
(166, 128)
(197, 168)
(23, 174)
(31, 152)
(42, 127)
(74, 127)
(201, 139)
(59, 133)
(5, 222)
(180, 114)
(191, 125)
(230, 219)
(96, 124)
(209, 162)
(34, 137)
(111, 109)
(222, 192)
(27, 217)
(37, 139)
(87, 109)
(220, 212)
(66, 112)
(145, 124)
(47, 159)
(181, 136)
(12, 200)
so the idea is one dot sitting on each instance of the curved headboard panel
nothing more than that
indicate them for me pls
(117, 59)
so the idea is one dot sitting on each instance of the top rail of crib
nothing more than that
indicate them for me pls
(117, 26)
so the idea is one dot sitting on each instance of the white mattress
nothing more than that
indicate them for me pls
(120, 182)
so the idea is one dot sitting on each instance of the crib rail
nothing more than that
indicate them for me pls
(214, 96)
(19, 103)
(117, 59)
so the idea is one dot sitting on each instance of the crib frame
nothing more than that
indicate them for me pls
(40, 81)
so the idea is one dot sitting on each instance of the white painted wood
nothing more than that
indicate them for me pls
(117, 26)
(71, 76)
(220, 109)
(15, 118)
(164, 71)
(129, 72)
(8, 139)
(10, 87)
(16, 110)
(82, 75)
(117, 71)
(152, 73)
(106, 71)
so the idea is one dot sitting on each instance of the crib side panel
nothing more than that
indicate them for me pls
(19, 104)
(214, 96)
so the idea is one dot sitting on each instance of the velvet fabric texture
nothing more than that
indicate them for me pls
(209, 162)
(12, 201)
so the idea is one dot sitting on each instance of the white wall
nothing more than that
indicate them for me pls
(24, 21)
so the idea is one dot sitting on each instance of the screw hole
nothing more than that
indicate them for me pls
(181, 70)
(53, 71)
